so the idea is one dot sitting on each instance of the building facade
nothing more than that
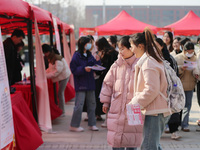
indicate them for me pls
(155, 15)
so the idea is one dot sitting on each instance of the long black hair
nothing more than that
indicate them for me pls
(53, 56)
(164, 50)
(147, 39)
(47, 48)
(81, 44)
(171, 40)
(113, 40)
(103, 45)
(167, 55)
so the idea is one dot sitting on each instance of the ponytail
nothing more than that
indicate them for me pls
(146, 38)
(151, 47)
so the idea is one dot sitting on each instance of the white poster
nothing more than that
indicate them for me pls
(44, 115)
(57, 35)
(6, 118)
(134, 114)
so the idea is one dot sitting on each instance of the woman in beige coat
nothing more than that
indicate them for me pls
(188, 79)
(117, 91)
(149, 81)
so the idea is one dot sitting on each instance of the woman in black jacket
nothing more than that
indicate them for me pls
(108, 56)
(175, 120)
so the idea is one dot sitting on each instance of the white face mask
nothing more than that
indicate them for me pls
(189, 55)
(88, 46)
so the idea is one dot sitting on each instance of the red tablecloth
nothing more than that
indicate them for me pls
(26, 92)
(27, 132)
(55, 110)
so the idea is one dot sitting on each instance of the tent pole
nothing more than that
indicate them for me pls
(51, 33)
(70, 43)
(61, 38)
(51, 43)
(32, 71)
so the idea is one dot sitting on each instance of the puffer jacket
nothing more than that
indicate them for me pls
(149, 81)
(59, 71)
(187, 78)
(117, 91)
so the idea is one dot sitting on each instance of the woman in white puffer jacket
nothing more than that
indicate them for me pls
(58, 71)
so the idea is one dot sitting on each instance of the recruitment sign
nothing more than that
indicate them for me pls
(6, 118)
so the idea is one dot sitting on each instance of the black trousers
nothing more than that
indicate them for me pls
(198, 92)
(174, 122)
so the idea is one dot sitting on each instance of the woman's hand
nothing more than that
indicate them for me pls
(105, 109)
(87, 69)
(97, 57)
(196, 76)
(100, 54)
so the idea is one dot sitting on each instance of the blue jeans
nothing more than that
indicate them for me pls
(122, 148)
(186, 110)
(61, 96)
(81, 96)
(152, 131)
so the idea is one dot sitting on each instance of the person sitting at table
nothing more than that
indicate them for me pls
(11, 53)
(58, 71)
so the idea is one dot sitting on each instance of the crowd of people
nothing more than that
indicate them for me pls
(133, 74)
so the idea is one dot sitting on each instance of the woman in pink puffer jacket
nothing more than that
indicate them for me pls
(117, 91)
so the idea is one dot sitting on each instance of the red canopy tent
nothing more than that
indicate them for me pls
(123, 24)
(19, 14)
(41, 15)
(13, 13)
(66, 28)
(188, 25)
(15, 8)
(44, 19)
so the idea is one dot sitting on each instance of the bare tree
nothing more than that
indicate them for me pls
(76, 15)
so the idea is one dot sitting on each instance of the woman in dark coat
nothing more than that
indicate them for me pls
(84, 82)
(175, 120)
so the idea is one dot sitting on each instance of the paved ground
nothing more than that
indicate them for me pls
(63, 139)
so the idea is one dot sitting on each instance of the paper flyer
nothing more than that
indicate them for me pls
(134, 115)
(6, 117)
(97, 67)
(190, 64)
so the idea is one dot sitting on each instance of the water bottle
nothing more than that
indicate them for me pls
(175, 88)
(24, 78)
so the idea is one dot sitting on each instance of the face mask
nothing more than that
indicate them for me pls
(88, 46)
(189, 55)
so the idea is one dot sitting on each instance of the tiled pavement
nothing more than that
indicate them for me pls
(63, 139)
